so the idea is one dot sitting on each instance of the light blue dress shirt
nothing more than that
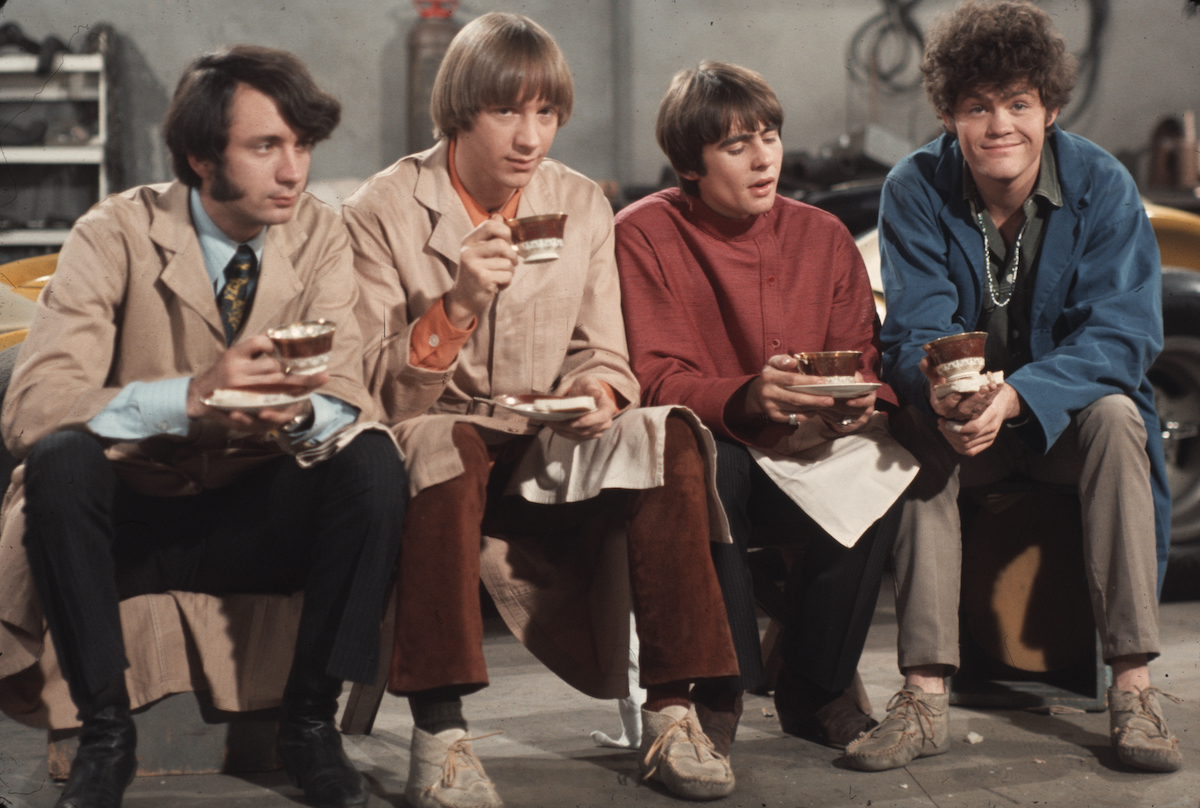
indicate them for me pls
(144, 409)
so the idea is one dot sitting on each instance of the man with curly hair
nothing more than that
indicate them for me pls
(1008, 225)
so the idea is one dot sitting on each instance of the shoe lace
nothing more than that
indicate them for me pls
(460, 749)
(1151, 710)
(692, 732)
(905, 704)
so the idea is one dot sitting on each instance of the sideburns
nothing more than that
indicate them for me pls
(223, 188)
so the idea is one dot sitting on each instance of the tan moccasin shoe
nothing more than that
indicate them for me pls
(676, 752)
(447, 774)
(917, 725)
(1139, 731)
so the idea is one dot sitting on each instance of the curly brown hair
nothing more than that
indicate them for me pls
(989, 46)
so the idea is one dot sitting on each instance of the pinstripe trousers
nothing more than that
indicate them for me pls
(829, 601)
(332, 530)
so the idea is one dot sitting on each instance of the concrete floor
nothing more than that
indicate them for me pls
(545, 757)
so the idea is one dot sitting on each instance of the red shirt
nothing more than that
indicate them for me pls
(708, 299)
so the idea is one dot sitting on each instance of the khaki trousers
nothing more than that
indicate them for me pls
(682, 629)
(1103, 453)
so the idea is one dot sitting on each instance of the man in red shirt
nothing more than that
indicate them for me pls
(722, 280)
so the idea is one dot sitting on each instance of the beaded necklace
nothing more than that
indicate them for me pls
(987, 263)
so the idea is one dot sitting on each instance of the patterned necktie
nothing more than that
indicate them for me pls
(234, 298)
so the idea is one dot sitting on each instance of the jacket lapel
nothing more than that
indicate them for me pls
(435, 193)
(278, 281)
(1061, 244)
(183, 270)
(955, 216)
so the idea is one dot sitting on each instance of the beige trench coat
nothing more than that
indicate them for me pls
(131, 300)
(557, 321)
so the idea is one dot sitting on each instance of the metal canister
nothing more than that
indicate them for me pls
(427, 43)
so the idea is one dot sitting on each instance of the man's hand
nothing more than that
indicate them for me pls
(768, 397)
(973, 436)
(250, 363)
(958, 406)
(593, 424)
(485, 267)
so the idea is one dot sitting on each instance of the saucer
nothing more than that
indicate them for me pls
(523, 405)
(253, 399)
(835, 390)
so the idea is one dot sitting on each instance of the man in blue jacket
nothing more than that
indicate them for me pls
(1008, 225)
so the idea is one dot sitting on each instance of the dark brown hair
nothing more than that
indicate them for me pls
(197, 122)
(498, 59)
(702, 105)
(990, 46)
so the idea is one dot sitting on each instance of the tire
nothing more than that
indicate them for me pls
(1176, 379)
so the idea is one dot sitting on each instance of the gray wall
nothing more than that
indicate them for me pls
(623, 53)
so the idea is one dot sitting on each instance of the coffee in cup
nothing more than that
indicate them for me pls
(538, 238)
(834, 367)
(303, 347)
(958, 356)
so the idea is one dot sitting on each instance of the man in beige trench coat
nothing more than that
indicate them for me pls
(137, 479)
(452, 320)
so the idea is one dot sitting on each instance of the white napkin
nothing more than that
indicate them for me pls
(845, 484)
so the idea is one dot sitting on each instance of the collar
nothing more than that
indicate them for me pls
(723, 227)
(1047, 186)
(477, 212)
(216, 247)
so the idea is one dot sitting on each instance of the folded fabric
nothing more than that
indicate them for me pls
(845, 484)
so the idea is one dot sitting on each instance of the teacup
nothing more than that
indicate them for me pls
(959, 355)
(834, 367)
(303, 347)
(538, 238)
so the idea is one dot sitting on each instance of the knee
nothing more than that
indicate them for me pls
(67, 476)
(1111, 420)
(370, 463)
(61, 462)
(471, 450)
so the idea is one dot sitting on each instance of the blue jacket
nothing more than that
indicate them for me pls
(1096, 311)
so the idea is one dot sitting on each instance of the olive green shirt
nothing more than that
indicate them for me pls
(1005, 315)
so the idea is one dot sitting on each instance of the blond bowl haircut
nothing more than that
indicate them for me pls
(498, 59)
(702, 105)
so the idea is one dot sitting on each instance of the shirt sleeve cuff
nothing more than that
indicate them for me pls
(144, 409)
(329, 415)
(435, 340)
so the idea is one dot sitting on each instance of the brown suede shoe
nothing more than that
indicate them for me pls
(720, 725)
(676, 752)
(917, 725)
(835, 723)
(1139, 731)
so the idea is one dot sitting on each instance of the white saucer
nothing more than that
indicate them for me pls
(523, 405)
(246, 399)
(835, 390)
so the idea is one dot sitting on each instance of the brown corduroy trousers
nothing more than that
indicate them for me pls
(680, 615)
